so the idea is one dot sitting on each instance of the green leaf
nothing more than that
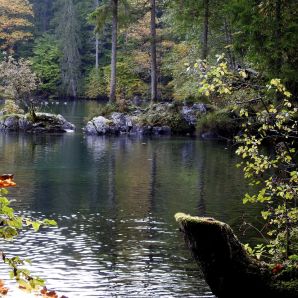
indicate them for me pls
(35, 226)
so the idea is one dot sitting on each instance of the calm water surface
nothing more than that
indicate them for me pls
(114, 200)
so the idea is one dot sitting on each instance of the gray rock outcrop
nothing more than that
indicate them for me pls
(158, 119)
(43, 122)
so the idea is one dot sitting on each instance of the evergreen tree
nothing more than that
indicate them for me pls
(46, 64)
(153, 52)
(114, 49)
(68, 36)
(267, 36)
(43, 13)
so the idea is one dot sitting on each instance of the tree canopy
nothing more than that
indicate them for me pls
(15, 22)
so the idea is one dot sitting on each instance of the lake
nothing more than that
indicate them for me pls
(114, 199)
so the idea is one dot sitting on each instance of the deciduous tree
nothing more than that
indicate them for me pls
(15, 22)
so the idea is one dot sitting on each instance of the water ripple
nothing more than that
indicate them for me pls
(134, 261)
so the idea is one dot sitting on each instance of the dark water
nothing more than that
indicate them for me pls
(114, 200)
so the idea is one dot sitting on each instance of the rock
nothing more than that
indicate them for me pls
(157, 119)
(119, 123)
(209, 135)
(10, 123)
(25, 124)
(200, 107)
(142, 130)
(191, 113)
(162, 130)
(44, 122)
(122, 123)
(97, 126)
(137, 100)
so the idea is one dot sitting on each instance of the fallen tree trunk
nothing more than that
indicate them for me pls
(228, 269)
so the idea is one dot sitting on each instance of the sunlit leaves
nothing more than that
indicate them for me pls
(215, 81)
(274, 168)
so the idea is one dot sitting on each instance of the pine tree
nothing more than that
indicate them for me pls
(68, 35)
(153, 52)
(43, 13)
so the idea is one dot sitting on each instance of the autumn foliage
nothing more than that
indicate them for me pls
(7, 181)
(15, 21)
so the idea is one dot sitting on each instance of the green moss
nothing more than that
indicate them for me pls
(224, 122)
(183, 218)
(109, 108)
(166, 115)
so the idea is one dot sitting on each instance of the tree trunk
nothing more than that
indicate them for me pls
(227, 268)
(45, 16)
(229, 42)
(153, 53)
(96, 42)
(205, 30)
(114, 50)
(278, 25)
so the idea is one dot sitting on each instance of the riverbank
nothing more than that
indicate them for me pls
(167, 118)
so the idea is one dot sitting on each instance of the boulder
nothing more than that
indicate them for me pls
(191, 113)
(97, 126)
(42, 123)
(10, 123)
(117, 124)
(157, 119)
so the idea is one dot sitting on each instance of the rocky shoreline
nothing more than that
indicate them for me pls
(168, 118)
(157, 119)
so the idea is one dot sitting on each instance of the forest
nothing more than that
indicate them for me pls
(75, 47)
(117, 114)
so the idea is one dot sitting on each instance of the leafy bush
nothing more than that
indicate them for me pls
(166, 115)
(96, 84)
(224, 123)
(17, 80)
(276, 173)
(10, 107)
(129, 83)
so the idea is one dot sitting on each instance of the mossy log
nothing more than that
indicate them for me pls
(228, 269)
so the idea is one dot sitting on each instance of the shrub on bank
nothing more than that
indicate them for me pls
(222, 123)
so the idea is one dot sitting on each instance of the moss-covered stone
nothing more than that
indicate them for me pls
(42, 123)
(159, 115)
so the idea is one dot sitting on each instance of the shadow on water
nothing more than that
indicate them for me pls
(114, 200)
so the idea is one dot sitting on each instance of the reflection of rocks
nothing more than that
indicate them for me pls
(44, 122)
(158, 119)
(98, 146)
